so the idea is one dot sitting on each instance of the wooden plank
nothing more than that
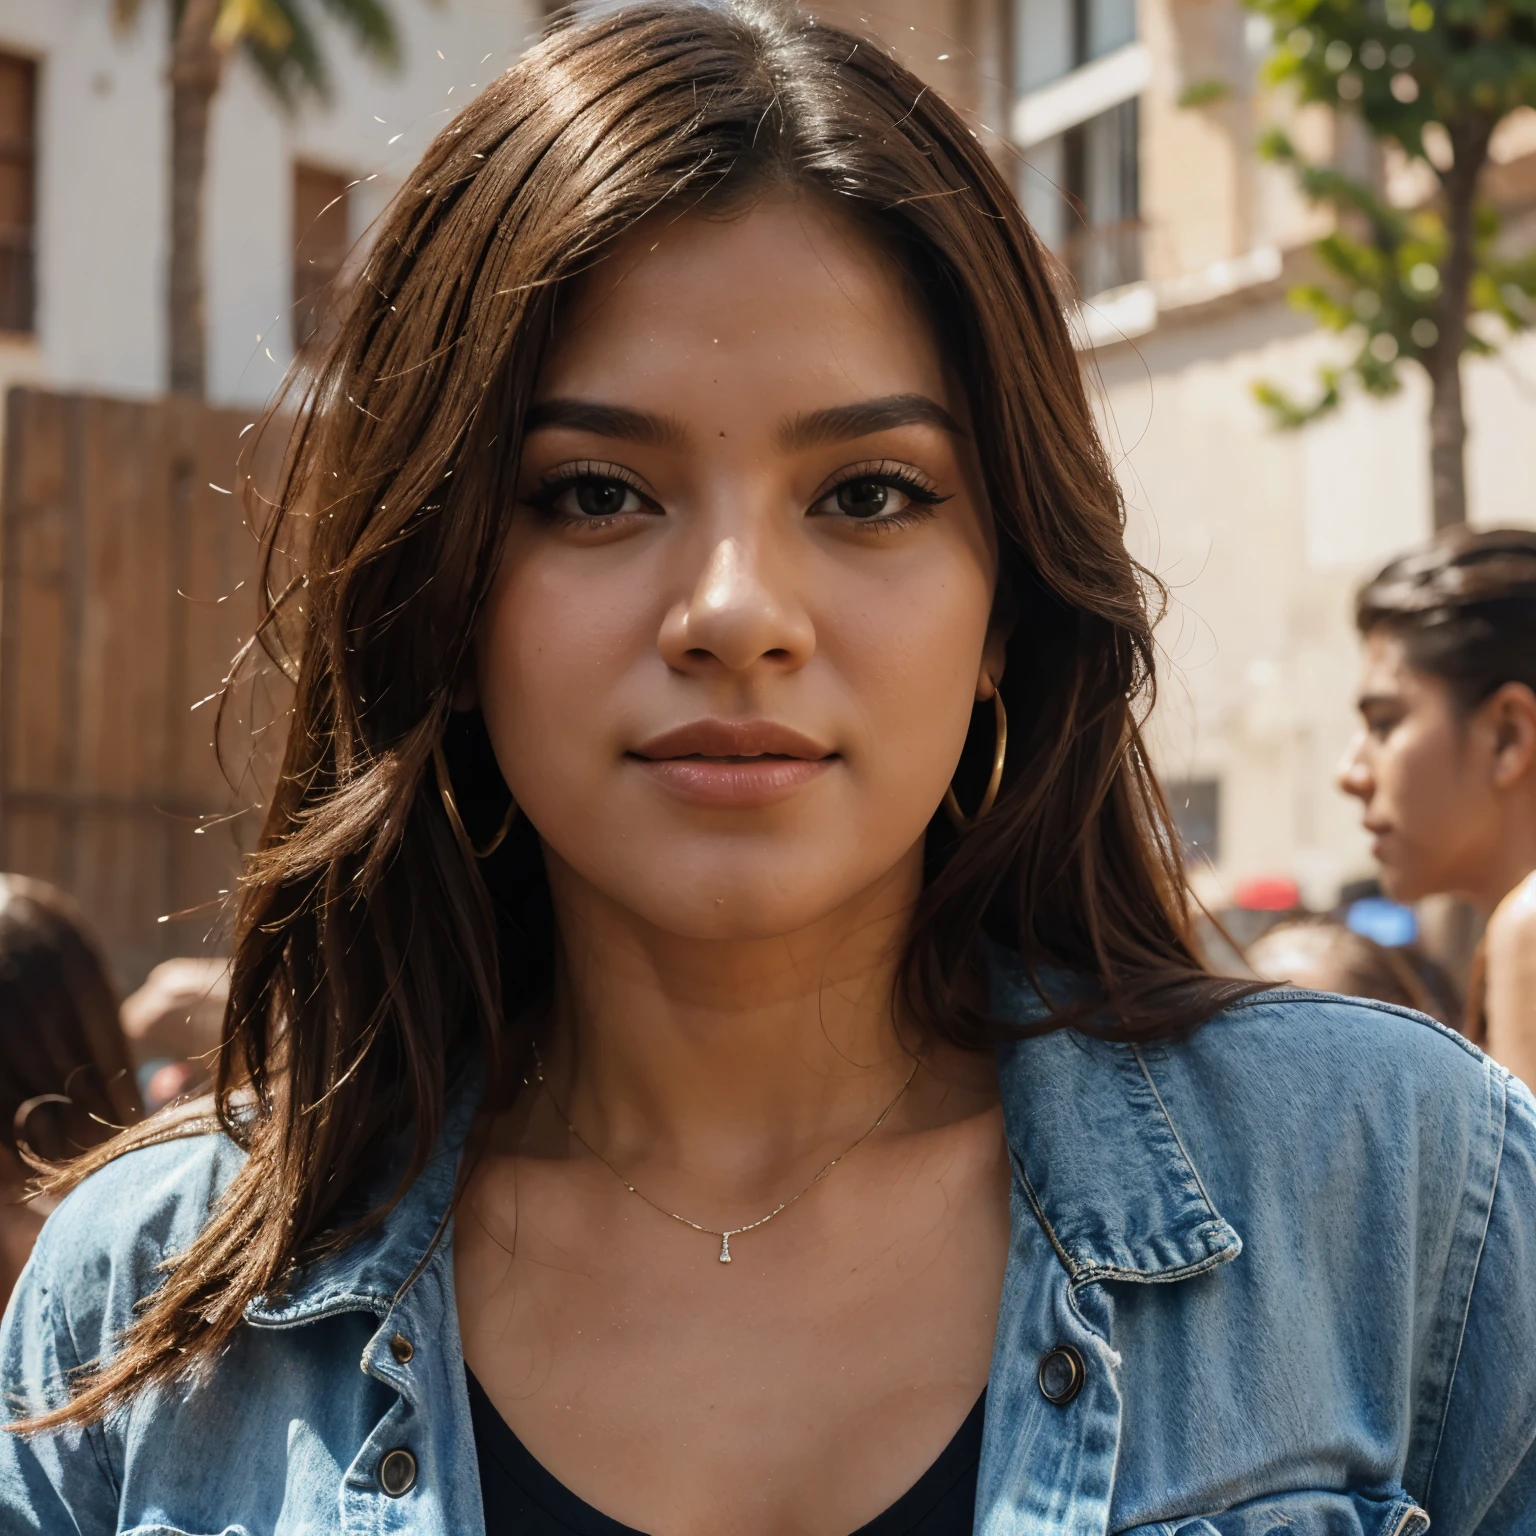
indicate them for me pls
(126, 583)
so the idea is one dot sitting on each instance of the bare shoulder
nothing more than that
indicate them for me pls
(1511, 935)
(1510, 951)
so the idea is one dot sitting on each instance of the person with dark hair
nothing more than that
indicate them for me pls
(714, 1026)
(1444, 763)
(1329, 956)
(66, 1082)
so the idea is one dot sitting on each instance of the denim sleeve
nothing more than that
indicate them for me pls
(1484, 1478)
(59, 1482)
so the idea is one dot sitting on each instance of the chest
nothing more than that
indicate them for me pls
(803, 1387)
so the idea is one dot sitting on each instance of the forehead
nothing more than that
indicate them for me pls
(790, 294)
(1384, 666)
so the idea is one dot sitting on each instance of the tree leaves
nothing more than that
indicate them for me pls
(280, 38)
(1402, 66)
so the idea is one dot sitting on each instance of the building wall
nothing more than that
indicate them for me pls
(104, 167)
(959, 47)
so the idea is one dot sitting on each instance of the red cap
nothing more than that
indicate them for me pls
(1268, 893)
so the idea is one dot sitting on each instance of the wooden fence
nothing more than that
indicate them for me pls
(127, 582)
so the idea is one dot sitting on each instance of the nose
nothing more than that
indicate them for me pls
(736, 616)
(1354, 776)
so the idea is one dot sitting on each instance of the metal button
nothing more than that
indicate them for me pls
(397, 1472)
(1061, 1375)
(402, 1348)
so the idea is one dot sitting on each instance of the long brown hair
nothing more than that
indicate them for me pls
(374, 962)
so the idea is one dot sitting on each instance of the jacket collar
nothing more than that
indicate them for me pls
(371, 1274)
(1100, 1159)
(1095, 1148)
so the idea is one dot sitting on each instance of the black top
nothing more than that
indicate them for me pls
(523, 1499)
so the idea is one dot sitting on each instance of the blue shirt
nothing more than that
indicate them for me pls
(1295, 1254)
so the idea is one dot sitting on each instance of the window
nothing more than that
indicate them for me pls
(1054, 37)
(1101, 26)
(18, 192)
(321, 229)
(1101, 177)
(1077, 122)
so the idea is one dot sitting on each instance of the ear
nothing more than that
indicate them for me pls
(1509, 715)
(994, 657)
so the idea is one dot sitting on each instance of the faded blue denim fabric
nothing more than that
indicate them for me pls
(1296, 1254)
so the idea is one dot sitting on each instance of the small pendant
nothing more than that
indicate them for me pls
(725, 1247)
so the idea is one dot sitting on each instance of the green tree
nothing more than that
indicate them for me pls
(280, 39)
(1435, 78)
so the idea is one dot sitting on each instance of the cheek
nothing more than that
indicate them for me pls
(1422, 776)
(553, 647)
(908, 653)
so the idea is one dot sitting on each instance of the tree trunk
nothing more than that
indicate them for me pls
(1447, 441)
(1447, 419)
(196, 68)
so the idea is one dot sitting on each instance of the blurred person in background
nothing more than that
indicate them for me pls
(1328, 956)
(173, 1023)
(1444, 763)
(66, 1078)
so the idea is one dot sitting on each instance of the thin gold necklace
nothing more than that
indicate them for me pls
(727, 1234)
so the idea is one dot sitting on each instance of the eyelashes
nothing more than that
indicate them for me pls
(874, 479)
(589, 486)
(878, 493)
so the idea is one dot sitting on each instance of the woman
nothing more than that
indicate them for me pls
(66, 1082)
(1444, 762)
(714, 998)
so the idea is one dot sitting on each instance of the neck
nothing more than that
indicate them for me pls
(729, 1054)
(1507, 867)
(1506, 854)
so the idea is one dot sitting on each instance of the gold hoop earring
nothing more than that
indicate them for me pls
(988, 800)
(451, 806)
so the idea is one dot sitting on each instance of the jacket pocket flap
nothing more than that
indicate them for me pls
(1304, 1512)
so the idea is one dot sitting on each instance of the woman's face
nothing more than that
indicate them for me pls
(1424, 776)
(742, 614)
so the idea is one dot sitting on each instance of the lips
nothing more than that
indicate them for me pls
(743, 764)
(732, 738)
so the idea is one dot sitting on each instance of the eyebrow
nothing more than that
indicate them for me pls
(838, 423)
(617, 421)
(1372, 700)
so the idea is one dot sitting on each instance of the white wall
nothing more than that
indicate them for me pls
(103, 172)
(1263, 537)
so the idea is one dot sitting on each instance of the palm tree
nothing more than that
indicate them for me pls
(279, 37)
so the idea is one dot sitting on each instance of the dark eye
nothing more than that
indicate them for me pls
(602, 498)
(871, 499)
(866, 498)
(588, 498)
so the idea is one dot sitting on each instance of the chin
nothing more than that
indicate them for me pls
(725, 890)
(742, 909)
(1401, 885)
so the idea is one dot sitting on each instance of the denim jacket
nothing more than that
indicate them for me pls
(1295, 1256)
